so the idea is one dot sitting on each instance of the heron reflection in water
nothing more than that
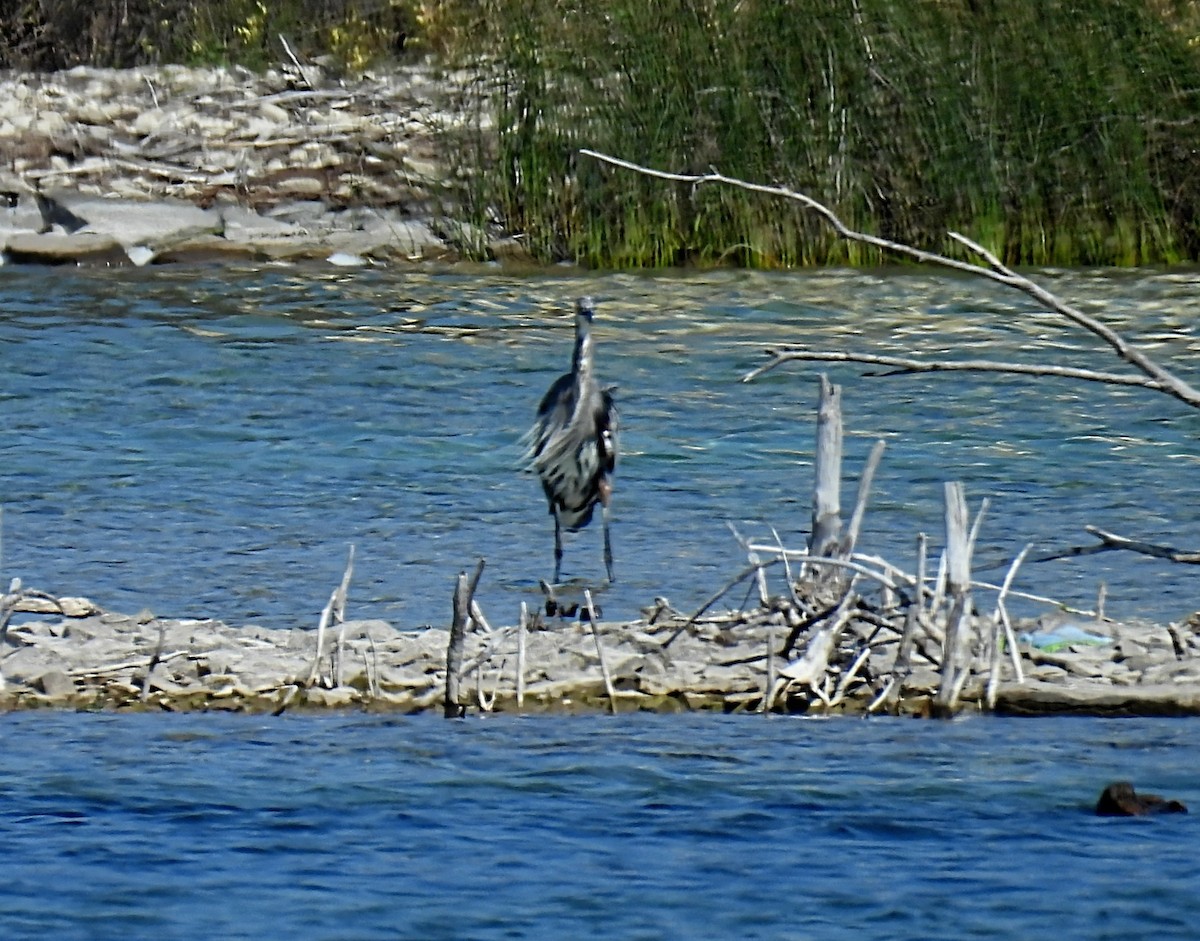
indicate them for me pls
(573, 443)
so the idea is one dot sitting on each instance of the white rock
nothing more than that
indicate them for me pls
(274, 113)
(156, 224)
(140, 255)
(59, 248)
(259, 129)
(299, 186)
(49, 123)
(245, 225)
(346, 260)
(149, 121)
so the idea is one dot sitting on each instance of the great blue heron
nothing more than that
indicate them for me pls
(573, 443)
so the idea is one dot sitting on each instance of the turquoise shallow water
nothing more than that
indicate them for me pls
(646, 827)
(208, 442)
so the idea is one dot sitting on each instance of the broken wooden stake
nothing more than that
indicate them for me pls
(958, 593)
(521, 632)
(464, 593)
(333, 612)
(826, 535)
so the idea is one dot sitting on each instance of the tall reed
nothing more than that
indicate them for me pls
(1054, 133)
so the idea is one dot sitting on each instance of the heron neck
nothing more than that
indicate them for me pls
(581, 363)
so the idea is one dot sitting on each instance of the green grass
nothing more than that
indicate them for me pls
(1059, 132)
(1053, 133)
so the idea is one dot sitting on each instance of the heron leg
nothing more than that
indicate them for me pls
(608, 560)
(557, 548)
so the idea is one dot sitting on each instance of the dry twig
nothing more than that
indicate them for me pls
(522, 627)
(608, 683)
(1004, 622)
(333, 612)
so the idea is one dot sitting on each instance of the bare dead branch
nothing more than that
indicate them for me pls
(1004, 624)
(334, 612)
(1113, 541)
(864, 493)
(997, 271)
(522, 630)
(608, 683)
(733, 583)
(850, 564)
(155, 660)
(903, 365)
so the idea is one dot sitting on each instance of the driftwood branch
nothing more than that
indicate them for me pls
(903, 365)
(10, 604)
(864, 493)
(995, 270)
(451, 708)
(733, 583)
(339, 600)
(849, 564)
(1110, 542)
(155, 660)
(1004, 634)
(955, 662)
(608, 683)
(826, 533)
(334, 612)
(901, 666)
(300, 70)
(522, 630)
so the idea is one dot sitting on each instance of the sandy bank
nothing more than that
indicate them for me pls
(663, 662)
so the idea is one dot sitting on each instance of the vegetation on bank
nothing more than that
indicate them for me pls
(1060, 132)
(47, 35)
(1052, 133)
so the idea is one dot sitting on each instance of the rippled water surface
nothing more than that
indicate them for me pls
(208, 442)
(336, 827)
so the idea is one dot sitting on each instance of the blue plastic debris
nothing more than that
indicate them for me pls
(1065, 635)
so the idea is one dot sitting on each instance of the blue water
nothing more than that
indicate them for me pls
(209, 441)
(643, 827)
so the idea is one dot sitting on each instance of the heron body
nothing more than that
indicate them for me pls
(573, 443)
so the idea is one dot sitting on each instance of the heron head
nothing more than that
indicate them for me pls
(585, 307)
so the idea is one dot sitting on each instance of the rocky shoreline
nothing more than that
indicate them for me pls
(177, 164)
(89, 659)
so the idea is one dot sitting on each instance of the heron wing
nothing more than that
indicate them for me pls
(573, 449)
(553, 414)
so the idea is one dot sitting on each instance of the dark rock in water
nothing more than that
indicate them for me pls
(1120, 800)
